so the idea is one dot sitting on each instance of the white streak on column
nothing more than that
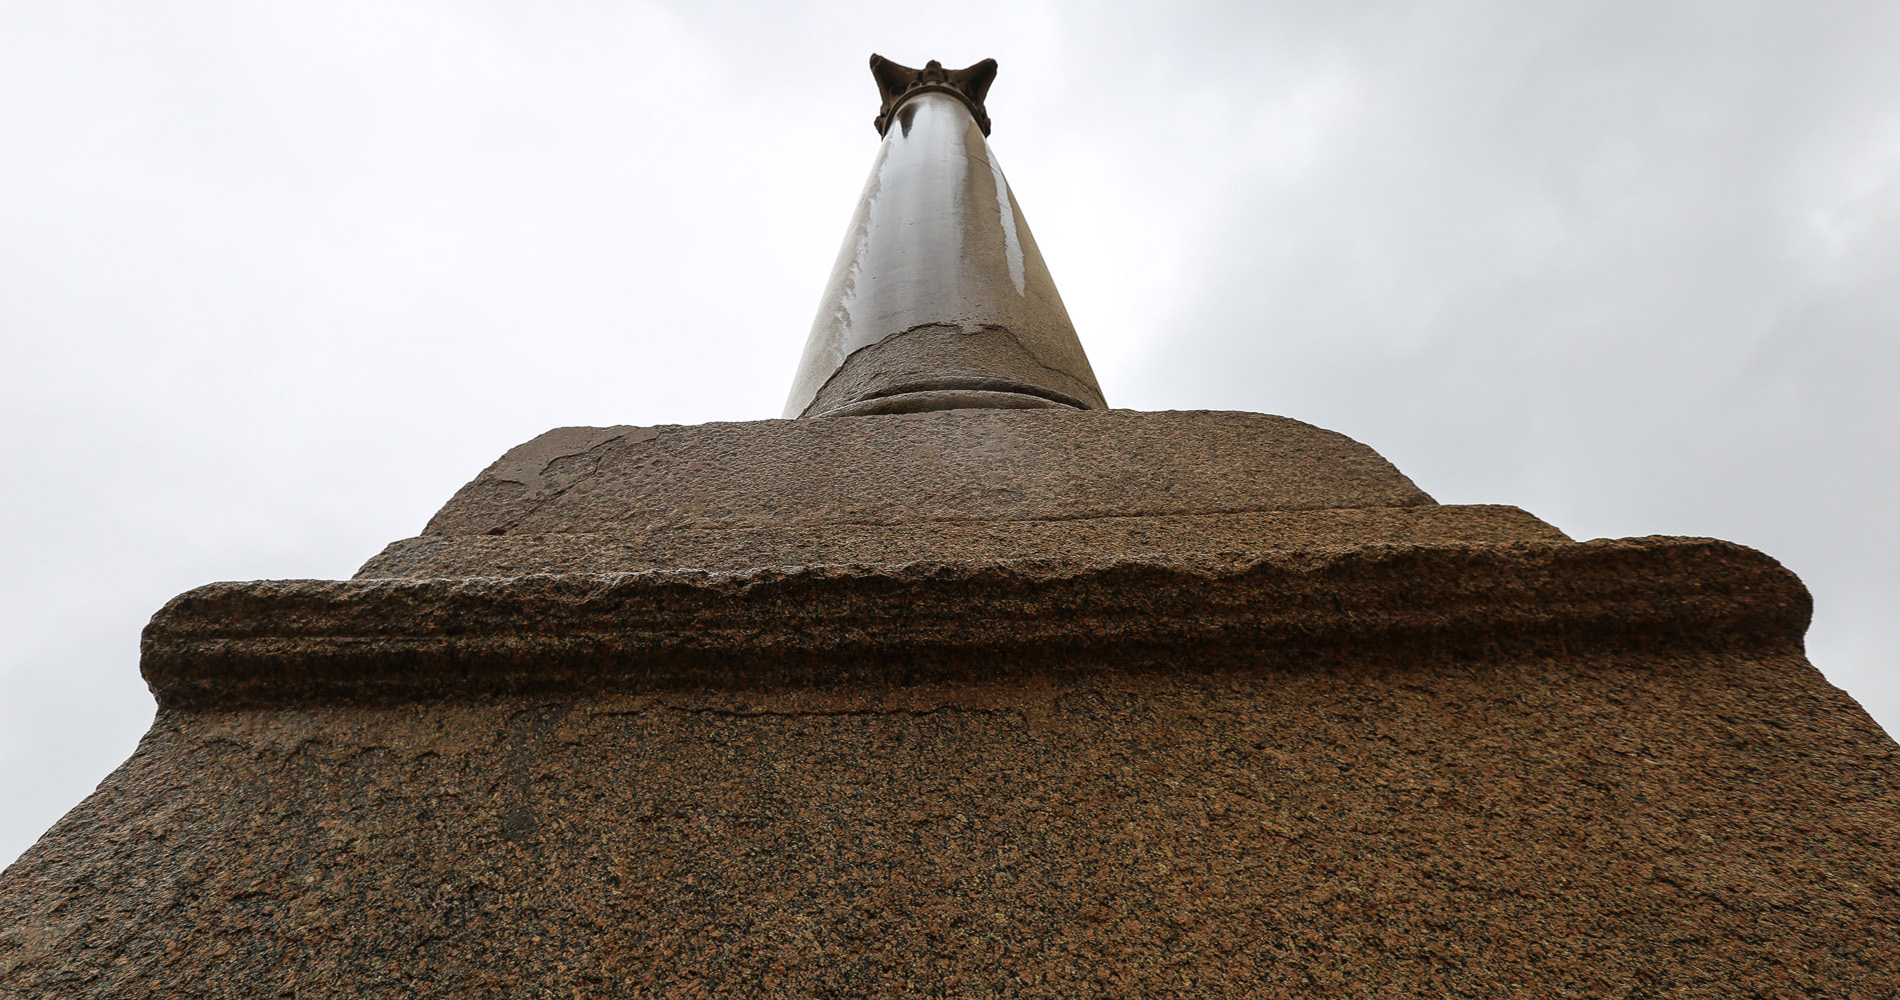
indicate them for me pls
(1012, 246)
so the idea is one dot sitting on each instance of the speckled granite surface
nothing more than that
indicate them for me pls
(964, 485)
(1334, 741)
(1621, 825)
(902, 487)
(285, 642)
(1164, 536)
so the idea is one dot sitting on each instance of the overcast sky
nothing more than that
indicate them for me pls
(277, 278)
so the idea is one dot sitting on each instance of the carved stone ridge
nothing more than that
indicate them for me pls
(897, 84)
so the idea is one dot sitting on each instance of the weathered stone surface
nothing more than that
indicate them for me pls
(920, 468)
(1089, 538)
(945, 366)
(375, 640)
(1031, 703)
(1663, 824)
(963, 485)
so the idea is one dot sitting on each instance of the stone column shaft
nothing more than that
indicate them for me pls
(940, 298)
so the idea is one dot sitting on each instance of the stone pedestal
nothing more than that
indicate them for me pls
(968, 703)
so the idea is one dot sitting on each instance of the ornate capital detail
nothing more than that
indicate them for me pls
(897, 84)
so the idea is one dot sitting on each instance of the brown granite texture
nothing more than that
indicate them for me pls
(977, 484)
(1029, 703)
(954, 465)
(1096, 538)
(1673, 824)
(287, 642)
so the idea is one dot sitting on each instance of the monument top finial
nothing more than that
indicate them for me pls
(897, 84)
